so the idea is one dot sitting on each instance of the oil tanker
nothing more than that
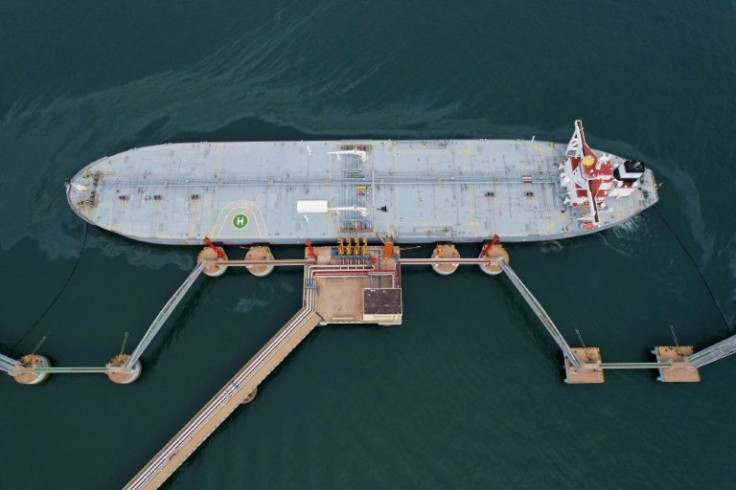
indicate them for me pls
(413, 191)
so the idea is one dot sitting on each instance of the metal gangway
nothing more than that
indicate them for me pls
(240, 389)
(130, 368)
(14, 367)
(164, 315)
(696, 360)
(715, 352)
(7, 364)
(540, 312)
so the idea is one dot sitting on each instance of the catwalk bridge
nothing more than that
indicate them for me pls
(349, 284)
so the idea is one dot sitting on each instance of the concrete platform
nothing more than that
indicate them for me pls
(341, 291)
(340, 299)
(259, 252)
(334, 292)
(25, 375)
(681, 372)
(445, 251)
(590, 371)
(494, 253)
(118, 374)
(209, 254)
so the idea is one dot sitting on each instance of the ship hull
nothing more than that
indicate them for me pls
(415, 191)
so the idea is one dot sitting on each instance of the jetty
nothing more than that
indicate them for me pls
(351, 283)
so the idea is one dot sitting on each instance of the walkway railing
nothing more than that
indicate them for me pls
(163, 315)
(717, 351)
(699, 359)
(244, 383)
(7, 364)
(541, 314)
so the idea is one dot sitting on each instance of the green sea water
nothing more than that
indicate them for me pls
(468, 392)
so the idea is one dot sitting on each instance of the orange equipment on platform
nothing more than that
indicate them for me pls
(220, 254)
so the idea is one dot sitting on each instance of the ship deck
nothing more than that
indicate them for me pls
(416, 191)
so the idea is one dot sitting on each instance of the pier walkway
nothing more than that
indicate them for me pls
(163, 315)
(350, 285)
(241, 388)
(717, 351)
(7, 364)
(536, 307)
(335, 291)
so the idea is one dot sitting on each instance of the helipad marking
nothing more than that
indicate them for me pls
(240, 221)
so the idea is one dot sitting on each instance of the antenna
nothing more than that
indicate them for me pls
(674, 336)
(43, 339)
(580, 337)
(122, 347)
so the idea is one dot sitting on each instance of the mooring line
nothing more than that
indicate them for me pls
(729, 327)
(58, 295)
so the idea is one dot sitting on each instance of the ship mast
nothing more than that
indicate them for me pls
(586, 176)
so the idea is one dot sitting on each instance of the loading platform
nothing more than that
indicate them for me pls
(350, 284)
(357, 289)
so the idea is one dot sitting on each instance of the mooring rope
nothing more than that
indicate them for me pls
(697, 267)
(58, 295)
